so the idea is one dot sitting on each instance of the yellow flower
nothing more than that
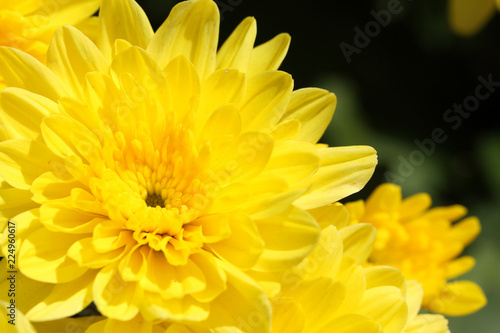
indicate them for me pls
(153, 175)
(28, 25)
(467, 17)
(424, 244)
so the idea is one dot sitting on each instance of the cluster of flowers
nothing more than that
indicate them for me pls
(152, 183)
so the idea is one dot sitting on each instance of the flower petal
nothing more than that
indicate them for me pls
(22, 113)
(122, 20)
(314, 109)
(288, 237)
(114, 297)
(270, 55)
(192, 30)
(266, 98)
(23, 71)
(22, 161)
(343, 171)
(71, 55)
(43, 257)
(65, 299)
(459, 298)
(245, 245)
(237, 50)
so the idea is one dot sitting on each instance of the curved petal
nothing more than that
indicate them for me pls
(122, 19)
(42, 257)
(64, 300)
(22, 161)
(314, 109)
(71, 55)
(343, 171)
(237, 50)
(270, 55)
(23, 111)
(23, 71)
(266, 98)
(192, 30)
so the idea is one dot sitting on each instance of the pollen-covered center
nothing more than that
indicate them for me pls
(152, 184)
(153, 200)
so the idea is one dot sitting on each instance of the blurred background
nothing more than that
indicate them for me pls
(409, 89)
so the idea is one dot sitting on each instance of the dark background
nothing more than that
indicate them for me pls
(394, 91)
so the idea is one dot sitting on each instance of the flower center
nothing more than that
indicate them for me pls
(150, 184)
(153, 200)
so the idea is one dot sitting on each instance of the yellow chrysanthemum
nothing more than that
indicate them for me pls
(28, 25)
(467, 17)
(424, 244)
(153, 175)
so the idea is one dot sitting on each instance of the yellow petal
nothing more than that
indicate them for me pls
(237, 49)
(71, 55)
(66, 137)
(270, 55)
(385, 198)
(335, 214)
(414, 296)
(287, 129)
(288, 316)
(192, 30)
(343, 171)
(358, 241)
(294, 160)
(324, 260)
(23, 71)
(468, 17)
(321, 298)
(53, 185)
(70, 12)
(60, 217)
(223, 123)
(314, 109)
(245, 245)
(459, 298)
(386, 306)
(266, 98)
(65, 299)
(21, 323)
(122, 20)
(214, 274)
(136, 325)
(242, 307)
(84, 253)
(14, 201)
(73, 324)
(351, 323)
(459, 266)
(184, 86)
(428, 323)
(44, 259)
(224, 86)
(378, 276)
(241, 158)
(466, 230)
(183, 309)
(23, 111)
(288, 237)
(22, 161)
(114, 297)
(414, 206)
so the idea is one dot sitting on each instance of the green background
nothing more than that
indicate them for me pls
(395, 91)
